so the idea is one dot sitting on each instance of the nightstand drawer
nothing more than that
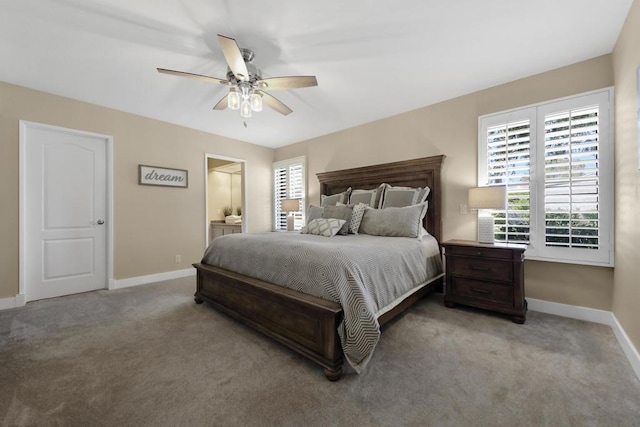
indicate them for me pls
(494, 270)
(480, 291)
(480, 252)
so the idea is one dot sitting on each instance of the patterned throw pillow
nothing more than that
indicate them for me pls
(327, 227)
(356, 217)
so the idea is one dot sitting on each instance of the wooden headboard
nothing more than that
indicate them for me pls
(408, 173)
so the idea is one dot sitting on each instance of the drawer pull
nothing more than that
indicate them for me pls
(479, 253)
(476, 268)
(480, 291)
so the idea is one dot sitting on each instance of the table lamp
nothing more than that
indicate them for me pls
(290, 205)
(485, 199)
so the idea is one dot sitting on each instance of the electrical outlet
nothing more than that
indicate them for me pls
(178, 259)
(463, 209)
(218, 211)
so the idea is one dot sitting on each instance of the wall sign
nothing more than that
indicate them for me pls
(166, 177)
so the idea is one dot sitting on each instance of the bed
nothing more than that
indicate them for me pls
(305, 323)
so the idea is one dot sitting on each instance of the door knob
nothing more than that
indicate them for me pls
(100, 221)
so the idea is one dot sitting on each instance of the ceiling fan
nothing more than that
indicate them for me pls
(247, 88)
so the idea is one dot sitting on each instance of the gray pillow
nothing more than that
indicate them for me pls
(404, 196)
(394, 222)
(339, 212)
(335, 198)
(314, 213)
(356, 216)
(368, 197)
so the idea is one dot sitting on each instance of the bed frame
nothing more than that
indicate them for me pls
(304, 323)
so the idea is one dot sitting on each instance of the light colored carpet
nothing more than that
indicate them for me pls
(149, 356)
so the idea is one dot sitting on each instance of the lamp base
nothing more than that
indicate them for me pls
(290, 223)
(486, 229)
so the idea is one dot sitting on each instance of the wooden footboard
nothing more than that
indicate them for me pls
(304, 323)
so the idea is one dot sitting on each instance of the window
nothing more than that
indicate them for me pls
(288, 183)
(556, 160)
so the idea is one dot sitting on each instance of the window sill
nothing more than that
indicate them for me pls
(568, 261)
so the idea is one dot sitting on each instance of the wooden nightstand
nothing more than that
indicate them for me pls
(489, 276)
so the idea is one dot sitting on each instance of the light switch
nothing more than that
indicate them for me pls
(463, 209)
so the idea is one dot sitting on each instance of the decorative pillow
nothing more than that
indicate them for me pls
(369, 197)
(339, 212)
(356, 217)
(394, 222)
(327, 227)
(335, 198)
(314, 212)
(404, 196)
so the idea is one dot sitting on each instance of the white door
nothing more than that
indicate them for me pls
(65, 208)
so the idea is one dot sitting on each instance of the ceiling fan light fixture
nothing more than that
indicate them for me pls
(246, 85)
(245, 109)
(256, 102)
(233, 100)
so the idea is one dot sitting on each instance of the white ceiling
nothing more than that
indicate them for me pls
(373, 59)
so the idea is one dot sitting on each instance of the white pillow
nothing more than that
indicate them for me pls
(327, 227)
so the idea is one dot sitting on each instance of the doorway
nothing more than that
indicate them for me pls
(225, 195)
(65, 211)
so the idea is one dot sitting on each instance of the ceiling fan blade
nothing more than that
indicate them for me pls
(193, 76)
(272, 102)
(290, 82)
(234, 57)
(222, 104)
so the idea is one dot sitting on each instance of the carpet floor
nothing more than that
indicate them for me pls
(149, 356)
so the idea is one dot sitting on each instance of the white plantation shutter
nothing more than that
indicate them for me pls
(280, 192)
(571, 177)
(296, 191)
(556, 160)
(289, 183)
(508, 163)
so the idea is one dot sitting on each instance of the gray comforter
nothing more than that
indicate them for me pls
(365, 274)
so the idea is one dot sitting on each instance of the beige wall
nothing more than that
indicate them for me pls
(450, 128)
(151, 224)
(626, 59)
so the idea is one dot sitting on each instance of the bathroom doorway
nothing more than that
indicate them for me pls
(225, 196)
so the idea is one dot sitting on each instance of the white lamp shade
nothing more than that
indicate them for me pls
(290, 205)
(493, 197)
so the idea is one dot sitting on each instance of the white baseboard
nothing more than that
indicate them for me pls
(12, 302)
(20, 300)
(572, 311)
(592, 315)
(627, 346)
(143, 280)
